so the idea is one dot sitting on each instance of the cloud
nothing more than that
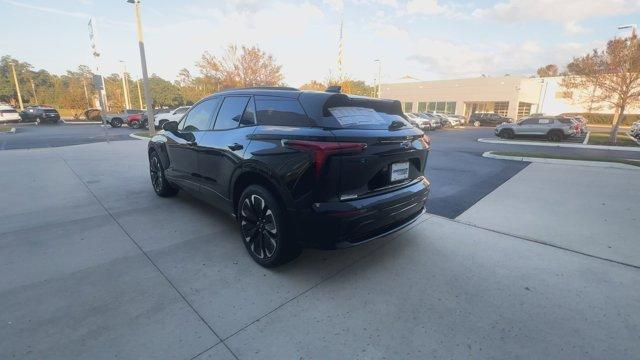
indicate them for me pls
(336, 5)
(426, 7)
(48, 9)
(573, 28)
(558, 11)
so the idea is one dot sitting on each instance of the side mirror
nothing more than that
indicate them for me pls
(170, 126)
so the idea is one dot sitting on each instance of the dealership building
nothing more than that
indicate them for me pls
(512, 96)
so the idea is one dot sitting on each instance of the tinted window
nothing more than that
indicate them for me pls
(249, 115)
(50, 111)
(544, 121)
(565, 120)
(280, 112)
(364, 118)
(181, 111)
(231, 112)
(198, 118)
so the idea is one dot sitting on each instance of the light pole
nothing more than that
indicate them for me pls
(145, 75)
(139, 94)
(125, 88)
(379, 74)
(15, 80)
(633, 27)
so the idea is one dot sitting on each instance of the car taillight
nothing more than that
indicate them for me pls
(323, 149)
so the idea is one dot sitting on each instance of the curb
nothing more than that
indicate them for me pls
(579, 146)
(598, 164)
(81, 122)
(12, 131)
(139, 137)
(586, 138)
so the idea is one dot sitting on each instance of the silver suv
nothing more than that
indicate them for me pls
(552, 127)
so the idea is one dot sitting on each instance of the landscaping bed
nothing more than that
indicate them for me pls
(566, 157)
(598, 138)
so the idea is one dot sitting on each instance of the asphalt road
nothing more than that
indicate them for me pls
(29, 136)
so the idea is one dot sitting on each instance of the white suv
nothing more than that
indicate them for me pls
(8, 114)
(174, 115)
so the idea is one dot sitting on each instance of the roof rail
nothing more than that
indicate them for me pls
(285, 88)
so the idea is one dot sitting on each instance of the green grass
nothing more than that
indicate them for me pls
(5, 127)
(603, 139)
(567, 157)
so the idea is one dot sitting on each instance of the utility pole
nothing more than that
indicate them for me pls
(15, 80)
(125, 88)
(143, 63)
(86, 94)
(33, 89)
(98, 79)
(379, 74)
(139, 94)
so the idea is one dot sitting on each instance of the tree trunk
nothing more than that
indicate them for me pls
(618, 118)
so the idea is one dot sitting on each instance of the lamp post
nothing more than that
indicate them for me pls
(125, 88)
(379, 74)
(633, 27)
(143, 63)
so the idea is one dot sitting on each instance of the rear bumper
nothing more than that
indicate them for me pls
(348, 223)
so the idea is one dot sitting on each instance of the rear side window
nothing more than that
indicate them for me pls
(50, 111)
(565, 120)
(198, 118)
(276, 111)
(355, 117)
(231, 112)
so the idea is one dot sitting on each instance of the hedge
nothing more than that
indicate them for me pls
(606, 119)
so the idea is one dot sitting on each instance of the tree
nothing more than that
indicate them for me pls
(164, 93)
(314, 85)
(548, 71)
(240, 67)
(610, 76)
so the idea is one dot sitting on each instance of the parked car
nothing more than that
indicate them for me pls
(296, 168)
(435, 121)
(553, 128)
(138, 121)
(8, 114)
(446, 120)
(40, 114)
(419, 122)
(171, 115)
(488, 119)
(461, 119)
(117, 120)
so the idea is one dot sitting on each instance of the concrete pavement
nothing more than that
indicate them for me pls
(96, 266)
(586, 209)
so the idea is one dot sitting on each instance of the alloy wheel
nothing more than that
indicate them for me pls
(156, 173)
(258, 225)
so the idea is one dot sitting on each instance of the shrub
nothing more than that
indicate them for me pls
(606, 119)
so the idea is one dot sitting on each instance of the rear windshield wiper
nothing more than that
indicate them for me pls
(396, 124)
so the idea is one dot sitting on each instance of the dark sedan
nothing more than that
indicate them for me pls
(296, 168)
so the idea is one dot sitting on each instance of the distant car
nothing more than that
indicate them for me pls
(137, 121)
(461, 118)
(435, 121)
(8, 114)
(553, 128)
(172, 115)
(488, 119)
(446, 120)
(116, 120)
(40, 114)
(419, 122)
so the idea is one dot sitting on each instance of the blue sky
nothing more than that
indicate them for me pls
(427, 39)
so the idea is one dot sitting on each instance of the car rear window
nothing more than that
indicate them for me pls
(357, 117)
(50, 111)
(280, 111)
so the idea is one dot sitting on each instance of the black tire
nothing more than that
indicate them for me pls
(555, 136)
(160, 184)
(476, 123)
(263, 228)
(134, 124)
(38, 120)
(507, 134)
(116, 123)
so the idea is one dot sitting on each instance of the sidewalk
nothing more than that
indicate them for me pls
(96, 266)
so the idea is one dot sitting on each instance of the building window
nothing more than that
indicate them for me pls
(431, 107)
(501, 107)
(450, 108)
(524, 109)
(422, 106)
(408, 107)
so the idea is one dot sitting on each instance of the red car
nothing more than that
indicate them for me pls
(137, 121)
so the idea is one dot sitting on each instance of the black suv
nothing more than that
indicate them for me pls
(488, 119)
(39, 114)
(296, 168)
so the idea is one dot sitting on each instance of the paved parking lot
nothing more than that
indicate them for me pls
(96, 266)
(29, 136)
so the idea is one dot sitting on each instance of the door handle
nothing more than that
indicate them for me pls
(235, 146)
